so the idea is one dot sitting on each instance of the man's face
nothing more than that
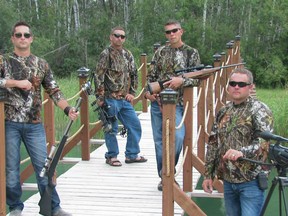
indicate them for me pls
(173, 33)
(117, 38)
(239, 87)
(22, 38)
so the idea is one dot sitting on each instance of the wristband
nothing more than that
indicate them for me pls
(66, 110)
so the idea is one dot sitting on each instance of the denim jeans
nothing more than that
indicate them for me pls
(125, 112)
(243, 199)
(33, 137)
(156, 120)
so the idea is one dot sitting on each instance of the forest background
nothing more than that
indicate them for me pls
(70, 34)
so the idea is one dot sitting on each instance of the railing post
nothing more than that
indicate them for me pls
(143, 61)
(209, 106)
(223, 81)
(237, 47)
(230, 58)
(2, 156)
(168, 100)
(201, 120)
(83, 73)
(217, 92)
(188, 140)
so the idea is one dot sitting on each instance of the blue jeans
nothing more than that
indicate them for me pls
(33, 137)
(125, 112)
(243, 198)
(156, 120)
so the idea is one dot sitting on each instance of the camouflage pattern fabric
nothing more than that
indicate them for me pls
(116, 74)
(235, 128)
(25, 106)
(167, 59)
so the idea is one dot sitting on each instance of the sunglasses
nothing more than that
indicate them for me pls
(119, 35)
(19, 35)
(240, 84)
(173, 30)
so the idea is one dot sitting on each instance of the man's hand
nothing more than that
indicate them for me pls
(73, 114)
(232, 154)
(22, 84)
(129, 97)
(150, 97)
(174, 83)
(207, 185)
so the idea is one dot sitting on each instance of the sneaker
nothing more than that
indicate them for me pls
(16, 212)
(61, 212)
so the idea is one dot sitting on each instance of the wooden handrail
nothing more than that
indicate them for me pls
(209, 101)
(2, 162)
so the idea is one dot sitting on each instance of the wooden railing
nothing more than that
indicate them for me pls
(211, 96)
(2, 158)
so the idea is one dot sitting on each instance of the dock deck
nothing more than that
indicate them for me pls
(95, 188)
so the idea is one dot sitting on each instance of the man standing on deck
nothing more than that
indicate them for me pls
(22, 74)
(173, 56)
(116, 82)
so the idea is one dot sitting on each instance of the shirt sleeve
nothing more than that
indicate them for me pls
(100, 74)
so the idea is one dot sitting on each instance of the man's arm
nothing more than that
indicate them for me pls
(99, 76)
(22, 84)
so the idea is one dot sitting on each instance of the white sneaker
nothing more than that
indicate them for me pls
(61, 212)
(16, 212)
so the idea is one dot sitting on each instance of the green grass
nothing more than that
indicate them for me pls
(277, 101)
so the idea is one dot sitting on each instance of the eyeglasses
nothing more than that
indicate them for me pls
(119, 35)
(173, 30)
(240, 84)
(19, 35)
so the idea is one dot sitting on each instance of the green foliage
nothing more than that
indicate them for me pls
(277, 102)
(274, 75)
(7, 12)
(71, 34)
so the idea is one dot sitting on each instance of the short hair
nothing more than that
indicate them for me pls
(21, 23)
(243, 71)
(173, 22)
(117, 28)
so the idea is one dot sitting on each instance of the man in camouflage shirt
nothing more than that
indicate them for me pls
(22, 75)
(173, 56)
(116, 82)
(234, 135)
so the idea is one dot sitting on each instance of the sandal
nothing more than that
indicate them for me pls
(113, 162)
(136, 160)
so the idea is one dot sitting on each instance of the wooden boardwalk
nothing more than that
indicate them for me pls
(95, 188)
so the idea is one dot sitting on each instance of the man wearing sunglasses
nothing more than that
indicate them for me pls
(21, 75)
(116, 82)
(233, 136)
(173, 56)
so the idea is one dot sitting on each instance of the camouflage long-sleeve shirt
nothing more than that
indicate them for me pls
(116, 73)
(167, 59)
(235, 127)
(21, 105)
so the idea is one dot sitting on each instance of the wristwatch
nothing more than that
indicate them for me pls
(2, 82)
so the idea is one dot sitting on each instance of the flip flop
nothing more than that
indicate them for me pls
(113, 162)
(136, 160)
